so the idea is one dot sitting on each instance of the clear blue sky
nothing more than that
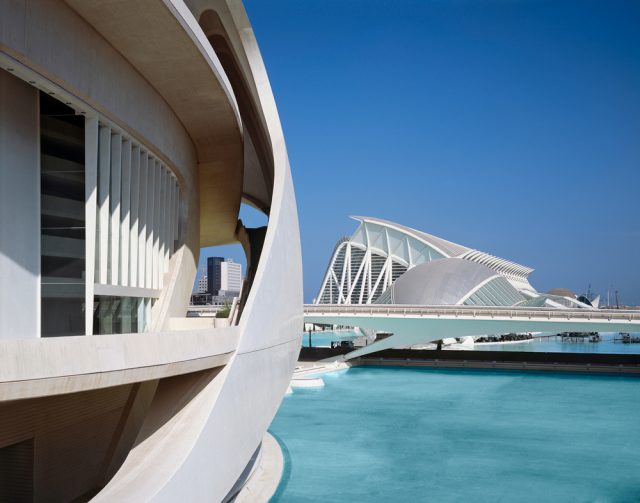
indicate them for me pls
(508, 126)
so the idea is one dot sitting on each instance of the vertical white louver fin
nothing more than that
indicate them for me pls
(142, 220)
(137, 213)
(125, 212)
(133, 219)
(151, 179)
(114, 194)
(91, 133)
(104, 175)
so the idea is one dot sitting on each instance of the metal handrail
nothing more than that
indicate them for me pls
(472, 311)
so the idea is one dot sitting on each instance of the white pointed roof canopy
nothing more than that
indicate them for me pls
(355, 273)
(451, 250)
(444, 247)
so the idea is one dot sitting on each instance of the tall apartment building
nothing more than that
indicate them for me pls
(224, 277)
(214, 281)
(230, 278)
(201, 285)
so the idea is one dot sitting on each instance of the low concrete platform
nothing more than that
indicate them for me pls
(308, 368)
(506, 360)
(307, 382)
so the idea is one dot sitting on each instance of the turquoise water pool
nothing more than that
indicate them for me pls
(396, 434)
(607, 344)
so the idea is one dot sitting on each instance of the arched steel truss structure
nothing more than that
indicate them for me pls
(366, 264)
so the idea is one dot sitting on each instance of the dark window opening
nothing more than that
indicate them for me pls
(62, 219)
(16, 472)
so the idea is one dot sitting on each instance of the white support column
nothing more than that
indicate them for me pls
(387, 242)
(151, 177)
(170, 234)
(104, 177)
(341, 297)
(381, 277)
(330, 292)
(20, 211)
(142, 220)
(135, 201)
(114, 229)
(157, 225)
(366, 279)
(176, 215)
(357, 278)
(369, 280)
(334, 278)
(90, 215)
(367, 243)
(125, 213)
(326, 283)
(161, 224)
(166, 210)
(348, 269)
(389, 274)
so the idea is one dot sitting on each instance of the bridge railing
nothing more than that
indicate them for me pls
(472, 311)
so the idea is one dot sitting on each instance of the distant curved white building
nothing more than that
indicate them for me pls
(385, 262)
(130, 134)
(379, 252)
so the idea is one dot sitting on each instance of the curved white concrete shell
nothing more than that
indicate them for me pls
(451, 282)
(130, 134)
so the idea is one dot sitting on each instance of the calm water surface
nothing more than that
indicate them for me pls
(395, 434)
(546, 344)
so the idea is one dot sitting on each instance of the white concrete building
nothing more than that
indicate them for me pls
(385, 262)
(201, 287)
(230, 276)
(130, 134)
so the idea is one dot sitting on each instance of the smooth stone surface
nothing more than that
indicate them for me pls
(264, 481)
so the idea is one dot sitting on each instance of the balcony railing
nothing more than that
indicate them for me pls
(471, 312)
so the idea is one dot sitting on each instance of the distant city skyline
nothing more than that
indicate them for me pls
(508, 126)
(229, 273)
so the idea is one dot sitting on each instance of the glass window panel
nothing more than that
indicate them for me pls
(120, 315)
(62, 222)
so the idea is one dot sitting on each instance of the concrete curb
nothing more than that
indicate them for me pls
(265, 479)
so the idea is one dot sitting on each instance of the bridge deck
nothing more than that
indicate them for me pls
(411, 325)
(469, 312)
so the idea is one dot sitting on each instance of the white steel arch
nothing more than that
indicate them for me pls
(364, 265)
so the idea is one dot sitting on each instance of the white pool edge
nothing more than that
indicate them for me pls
(264, 481)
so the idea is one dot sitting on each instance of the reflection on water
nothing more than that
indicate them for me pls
(324, 339)
(540, 344)
(557, 345)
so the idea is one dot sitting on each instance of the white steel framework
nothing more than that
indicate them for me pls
(366, 264)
